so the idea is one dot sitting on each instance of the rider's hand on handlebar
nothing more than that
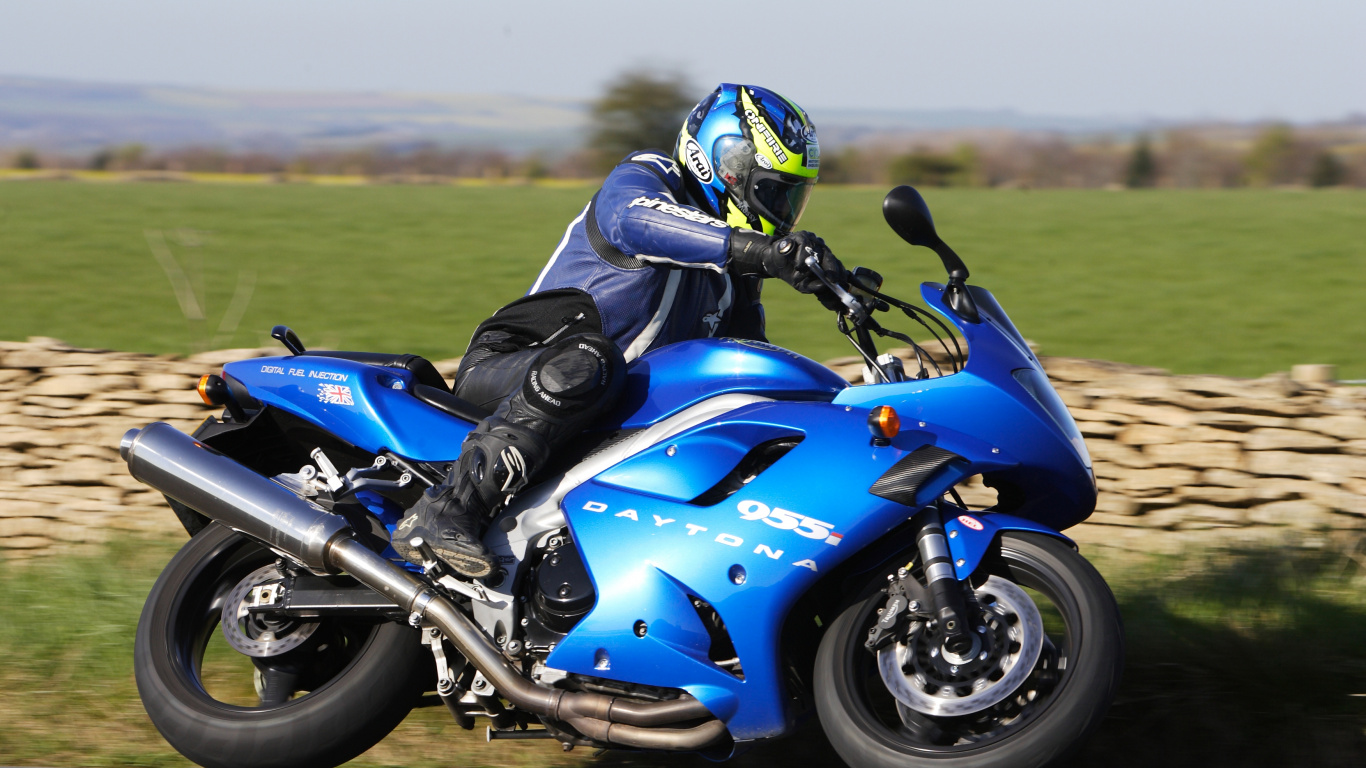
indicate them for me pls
(785, 258)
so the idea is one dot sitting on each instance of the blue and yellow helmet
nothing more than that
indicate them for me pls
(752, 157)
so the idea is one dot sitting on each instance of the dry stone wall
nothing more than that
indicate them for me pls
(1179, 459)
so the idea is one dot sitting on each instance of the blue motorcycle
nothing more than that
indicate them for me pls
(746, 541)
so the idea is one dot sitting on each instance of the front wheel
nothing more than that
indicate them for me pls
(1065, 631)
(227, 687)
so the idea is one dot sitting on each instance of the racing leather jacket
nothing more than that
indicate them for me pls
(642, 265)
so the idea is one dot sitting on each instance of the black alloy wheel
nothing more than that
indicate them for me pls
(1056, 706)
(329, 689)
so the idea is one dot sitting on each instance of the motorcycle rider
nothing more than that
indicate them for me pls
(671, 248)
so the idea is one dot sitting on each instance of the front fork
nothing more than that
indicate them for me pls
(946, 593)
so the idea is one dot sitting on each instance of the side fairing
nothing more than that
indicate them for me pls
(364, 405)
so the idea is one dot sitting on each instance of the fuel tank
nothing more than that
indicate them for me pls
(670, 379)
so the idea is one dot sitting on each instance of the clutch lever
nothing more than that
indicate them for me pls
(851, 303)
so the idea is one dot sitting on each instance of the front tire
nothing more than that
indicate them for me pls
(1059, 705)
(344, 688)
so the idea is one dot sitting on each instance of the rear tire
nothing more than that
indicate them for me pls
(869, 729)
(357, 691)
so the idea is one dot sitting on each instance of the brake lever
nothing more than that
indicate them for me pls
(851, 302)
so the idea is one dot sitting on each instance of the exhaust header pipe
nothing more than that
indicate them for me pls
(199, 477)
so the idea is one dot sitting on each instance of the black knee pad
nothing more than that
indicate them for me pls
(585, 372)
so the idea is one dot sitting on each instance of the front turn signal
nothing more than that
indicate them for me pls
(884, 424)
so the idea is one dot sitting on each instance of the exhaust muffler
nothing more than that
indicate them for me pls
(199, 477)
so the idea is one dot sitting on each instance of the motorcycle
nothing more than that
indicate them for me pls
(746, 540)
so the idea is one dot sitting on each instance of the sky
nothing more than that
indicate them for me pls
(1162, 59)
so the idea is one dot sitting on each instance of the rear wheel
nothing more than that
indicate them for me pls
(227, 687)
(1042, 606)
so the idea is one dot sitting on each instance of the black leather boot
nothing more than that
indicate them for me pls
(566, 386)
(453, 529)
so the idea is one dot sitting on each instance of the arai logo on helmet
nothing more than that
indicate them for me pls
(697, 161)
(763, 162)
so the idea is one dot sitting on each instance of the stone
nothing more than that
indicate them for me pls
(1219, 495)
(1197, 455)
(1216, 386)
(1115, 504)
(1269, 439)
(1080, 369)
(1106, 518)
(163, 381)
(1256, 407)
(1298, 513)
(1344, 426)
(1152, 414)
(1241, 421)
(126, 396)
(1099, 429)
(166, 411)
(60, 403)
(1091, 414)
(1132, 387)
(1314, 373)
(220, 357)
(1154, 434)
(1323, 467)
(20, 438)
(63, 386)
(1164, 478)
(25, 542)
(1112, 452)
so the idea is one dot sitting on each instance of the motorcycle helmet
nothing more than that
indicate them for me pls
(751, 157)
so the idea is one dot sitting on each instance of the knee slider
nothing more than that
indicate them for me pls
(573, 373)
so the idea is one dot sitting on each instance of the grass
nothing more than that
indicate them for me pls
(1250, 658)
(1238, 282)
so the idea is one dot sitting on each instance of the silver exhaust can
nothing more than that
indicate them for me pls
(213, 484)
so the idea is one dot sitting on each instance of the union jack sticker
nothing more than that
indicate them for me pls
(335, 394)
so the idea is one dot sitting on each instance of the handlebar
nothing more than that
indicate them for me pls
(855, 307)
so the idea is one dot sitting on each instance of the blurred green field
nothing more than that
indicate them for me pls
(1235, 282)
(1246, 659)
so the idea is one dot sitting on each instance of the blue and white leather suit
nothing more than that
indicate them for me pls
(640, 265)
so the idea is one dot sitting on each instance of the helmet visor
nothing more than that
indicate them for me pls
(780, 197)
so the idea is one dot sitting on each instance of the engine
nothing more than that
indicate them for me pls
(561, 593)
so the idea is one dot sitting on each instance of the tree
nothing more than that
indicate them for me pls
(1272, 157)
(1142, 170)
(1328, 170)
(925, 168)
(639, 110)
(27, 160)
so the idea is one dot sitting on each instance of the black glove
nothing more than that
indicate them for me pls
(755, 253)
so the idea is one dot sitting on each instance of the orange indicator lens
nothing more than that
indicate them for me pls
(203, 389)
(883, 422)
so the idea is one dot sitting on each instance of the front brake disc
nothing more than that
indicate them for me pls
(922, 675)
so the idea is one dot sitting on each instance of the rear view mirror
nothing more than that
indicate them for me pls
(908, 215)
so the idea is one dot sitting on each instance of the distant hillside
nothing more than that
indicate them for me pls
(74, 117)
(78, 117)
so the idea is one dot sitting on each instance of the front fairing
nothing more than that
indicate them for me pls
(1001, 399)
